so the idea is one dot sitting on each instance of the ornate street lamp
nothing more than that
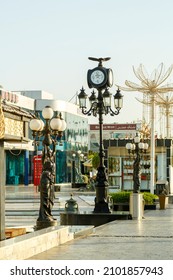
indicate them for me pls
(101, 79)
(51, 130)
(137, 148)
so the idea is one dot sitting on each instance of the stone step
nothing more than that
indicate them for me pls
(32, 243)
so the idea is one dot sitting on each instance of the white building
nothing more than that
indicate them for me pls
(19, 156)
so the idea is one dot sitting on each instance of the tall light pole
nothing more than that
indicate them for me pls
(2, 173)
(73, 171)
(50, 131)
(101, 79)
(137, 147)
(166, 103)
(152, 86)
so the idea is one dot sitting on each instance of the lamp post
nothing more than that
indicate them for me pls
(2, 172)
(50, 130)
(73, 171)
(101, 79)
(80, 158)
(137, 147)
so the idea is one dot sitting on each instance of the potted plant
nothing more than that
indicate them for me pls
(162, 197)
(82, 181)
(120, 200)
(149, 201)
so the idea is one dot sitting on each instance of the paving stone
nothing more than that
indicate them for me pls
(148, 239)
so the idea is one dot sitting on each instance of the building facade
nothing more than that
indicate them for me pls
(14, 130)
(20, 156)
(111, 131)
(120, 164)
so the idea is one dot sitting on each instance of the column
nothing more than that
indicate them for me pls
(2, 191)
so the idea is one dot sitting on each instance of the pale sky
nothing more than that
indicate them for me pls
(45, 44)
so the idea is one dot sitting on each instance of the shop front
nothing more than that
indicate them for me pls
(16, 144)
(120, 164)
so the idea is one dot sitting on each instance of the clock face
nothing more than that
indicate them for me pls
(97, 77)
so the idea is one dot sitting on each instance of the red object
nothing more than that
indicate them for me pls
(37, 161)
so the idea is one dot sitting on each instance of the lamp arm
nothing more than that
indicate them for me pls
(86, 112)
(93, 109)
(36, 138)
(114, 113)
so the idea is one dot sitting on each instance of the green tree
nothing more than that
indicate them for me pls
(95, 161)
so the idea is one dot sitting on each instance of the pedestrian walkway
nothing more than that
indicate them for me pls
(22, 203)
(149, 239)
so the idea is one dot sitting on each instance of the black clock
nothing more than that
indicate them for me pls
(100, 77)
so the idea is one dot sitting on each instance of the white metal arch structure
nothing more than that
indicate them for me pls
(153, 86)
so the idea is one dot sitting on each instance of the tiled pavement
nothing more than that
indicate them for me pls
(22, 204)
(149, 239)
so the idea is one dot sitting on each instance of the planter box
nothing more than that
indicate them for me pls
(121, 207)
(150, 207)
(125, 207)
(79, 185)
(89, 218)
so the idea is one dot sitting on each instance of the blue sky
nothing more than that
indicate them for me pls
(45, 44)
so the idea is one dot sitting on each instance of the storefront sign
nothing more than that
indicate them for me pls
(126, 126)
(37, 162)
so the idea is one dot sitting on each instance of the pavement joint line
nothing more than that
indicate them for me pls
(132, 236)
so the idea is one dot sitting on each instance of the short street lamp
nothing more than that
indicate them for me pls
(51, 130)
(137, 148)
(101, 79)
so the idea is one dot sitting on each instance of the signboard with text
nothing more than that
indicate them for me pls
(37, 162)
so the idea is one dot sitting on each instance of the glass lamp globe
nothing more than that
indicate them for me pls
(118, 100)
(47, 113)
(145, 146)
(82, 98)
(63, 125)
(36, 125)
(141, 145)
(56, 123)
(129, 146)
(107, 98)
